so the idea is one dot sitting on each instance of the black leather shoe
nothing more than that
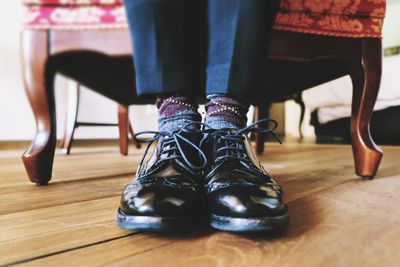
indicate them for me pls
(167, 192)
(242, 197)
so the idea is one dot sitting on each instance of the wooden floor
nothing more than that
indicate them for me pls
(336, 219)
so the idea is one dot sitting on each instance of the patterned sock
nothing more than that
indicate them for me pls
(176, 112)
(226, 112)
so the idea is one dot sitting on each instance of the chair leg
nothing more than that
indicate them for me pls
(71, 118)
(366, 83)
(39, 85)
(261, 113)
(299, 100)
(123, 126)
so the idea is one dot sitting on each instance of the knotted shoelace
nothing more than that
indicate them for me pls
(233, 139)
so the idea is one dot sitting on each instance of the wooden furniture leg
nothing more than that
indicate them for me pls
(298, 99)
(71, 119)
(71, 123)
(261, 113)
(123, 126)
(39, 85)
(366, 83)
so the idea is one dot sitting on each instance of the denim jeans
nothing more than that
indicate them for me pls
(198, 47)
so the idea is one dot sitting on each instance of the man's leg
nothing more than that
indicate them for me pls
(167, 43)
(238, 41)
(168, 48)
(242, 197)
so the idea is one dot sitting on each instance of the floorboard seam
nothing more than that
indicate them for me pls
(83, 179)
(62, 204)
(322, 190)
(108, 196)
(67, 250)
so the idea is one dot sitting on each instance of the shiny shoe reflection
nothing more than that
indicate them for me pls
(166, 194)
(242, 197)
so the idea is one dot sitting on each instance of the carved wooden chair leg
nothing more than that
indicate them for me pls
(261, 113)
(39, 85)
(70, 118)
(123, 125)
(366, 83)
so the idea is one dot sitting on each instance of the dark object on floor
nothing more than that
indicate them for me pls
(385, 128)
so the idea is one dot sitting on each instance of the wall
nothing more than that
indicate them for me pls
(15, 116)
(391, 29)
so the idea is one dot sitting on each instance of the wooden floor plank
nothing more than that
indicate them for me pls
(106, 254)
(88, 173)
(26, 197)
(81, 204)
(78, 165)
(353, 224)
(44, 231)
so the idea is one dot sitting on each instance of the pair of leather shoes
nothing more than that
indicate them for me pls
(194, 175)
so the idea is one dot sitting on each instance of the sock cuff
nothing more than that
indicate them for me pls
(222, 123)
(223, 108)
(179, 121)
(176, 112)
(170, 105)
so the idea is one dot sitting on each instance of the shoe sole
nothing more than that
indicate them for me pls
(153, 223)
(254, 224)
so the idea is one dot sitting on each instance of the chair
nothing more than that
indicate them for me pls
(72, 123)
(313, 42)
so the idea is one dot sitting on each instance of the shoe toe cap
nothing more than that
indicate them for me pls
(159, 202)
(246, 202)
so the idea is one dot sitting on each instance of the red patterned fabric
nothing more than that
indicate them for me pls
(345, 18)
(76, 18)
(348, 18)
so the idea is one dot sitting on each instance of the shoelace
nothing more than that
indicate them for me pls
(234, 139)
(171, 147)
